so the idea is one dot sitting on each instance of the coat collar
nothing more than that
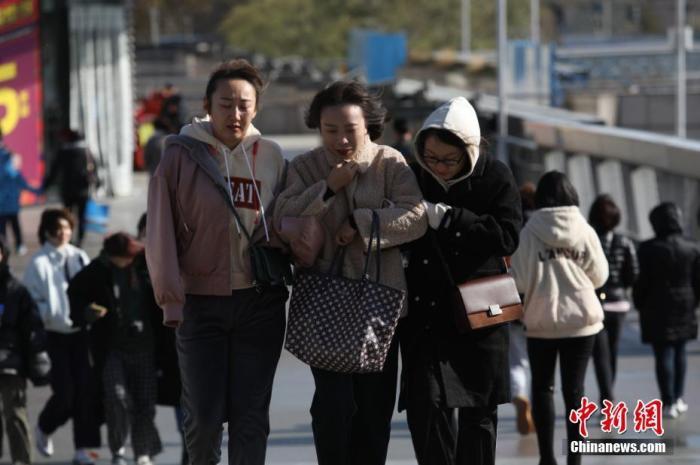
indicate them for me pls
(364, 157)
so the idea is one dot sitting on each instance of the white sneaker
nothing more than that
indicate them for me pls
(681, 406)
(44, 444)
(144, 460)
(671, 411)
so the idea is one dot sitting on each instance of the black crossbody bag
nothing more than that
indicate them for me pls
(270, 266)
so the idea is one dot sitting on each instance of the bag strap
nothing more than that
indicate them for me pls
(443, 262)
(441, 257)
(374, 235)
(227, 199)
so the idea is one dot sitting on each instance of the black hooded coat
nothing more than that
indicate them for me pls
(667, 291)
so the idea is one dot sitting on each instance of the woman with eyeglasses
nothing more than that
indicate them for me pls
(474, 213)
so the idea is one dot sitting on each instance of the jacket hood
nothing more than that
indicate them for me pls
(201, 129)
(459, 117)
(558, 226)
(666, 219)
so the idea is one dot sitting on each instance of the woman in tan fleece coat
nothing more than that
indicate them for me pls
(341, 183)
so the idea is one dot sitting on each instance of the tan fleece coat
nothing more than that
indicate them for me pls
(384, 183)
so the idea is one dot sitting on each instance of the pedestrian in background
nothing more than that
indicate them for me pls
(517, 358)
(12, 183)
(165, 353)
(229, 333)
(22, 355)
(667, 295)
(558, 266)
(72, 378)
(107, 298)
(404, 139)
(474, 213)
(341, 183)
(75, 170)
(623, 267)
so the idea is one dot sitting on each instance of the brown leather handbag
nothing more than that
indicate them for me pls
(483, 302)
(487, 301)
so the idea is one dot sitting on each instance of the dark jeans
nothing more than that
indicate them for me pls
(228, 349)
(74, 390)
(351, 414)
(573, 354)
(13, 221)
(671, 365)
(605, 354)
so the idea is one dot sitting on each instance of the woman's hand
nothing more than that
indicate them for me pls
(345, 234)
(341, 175)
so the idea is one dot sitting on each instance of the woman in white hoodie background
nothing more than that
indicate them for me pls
(558, 266)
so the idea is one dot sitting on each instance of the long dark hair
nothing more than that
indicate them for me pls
(349, 93)
(555, 190)
(604, 215)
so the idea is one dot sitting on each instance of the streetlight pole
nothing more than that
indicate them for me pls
(502, 71)
(466, 27)
(681, 70)
(535, 21)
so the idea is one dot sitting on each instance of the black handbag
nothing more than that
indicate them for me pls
(270, 266)
(341, 324)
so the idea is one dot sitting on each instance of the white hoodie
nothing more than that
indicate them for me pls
(558, 266)
(459, 117)
(46, 278)
(251, 199)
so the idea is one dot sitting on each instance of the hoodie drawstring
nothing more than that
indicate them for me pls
(255, 187)
(228, 184)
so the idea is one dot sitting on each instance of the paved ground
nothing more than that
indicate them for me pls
(291, 441)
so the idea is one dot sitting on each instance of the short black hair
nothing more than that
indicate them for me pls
(400, 126)
(604, 215)
(348, 93)
(235, 69)
(48, 224)
(555, 190)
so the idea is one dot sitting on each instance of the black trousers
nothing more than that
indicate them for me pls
(129, 384)
(351, 414)
(573, 354)
(77, 206)
(13, 392)
(13, 221)
(442, 435)
(605, 354)
(73, 390)
(228, 349)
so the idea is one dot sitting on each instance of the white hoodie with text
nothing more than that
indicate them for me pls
(558, 266)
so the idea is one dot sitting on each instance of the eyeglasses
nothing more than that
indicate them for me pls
(448, 162)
